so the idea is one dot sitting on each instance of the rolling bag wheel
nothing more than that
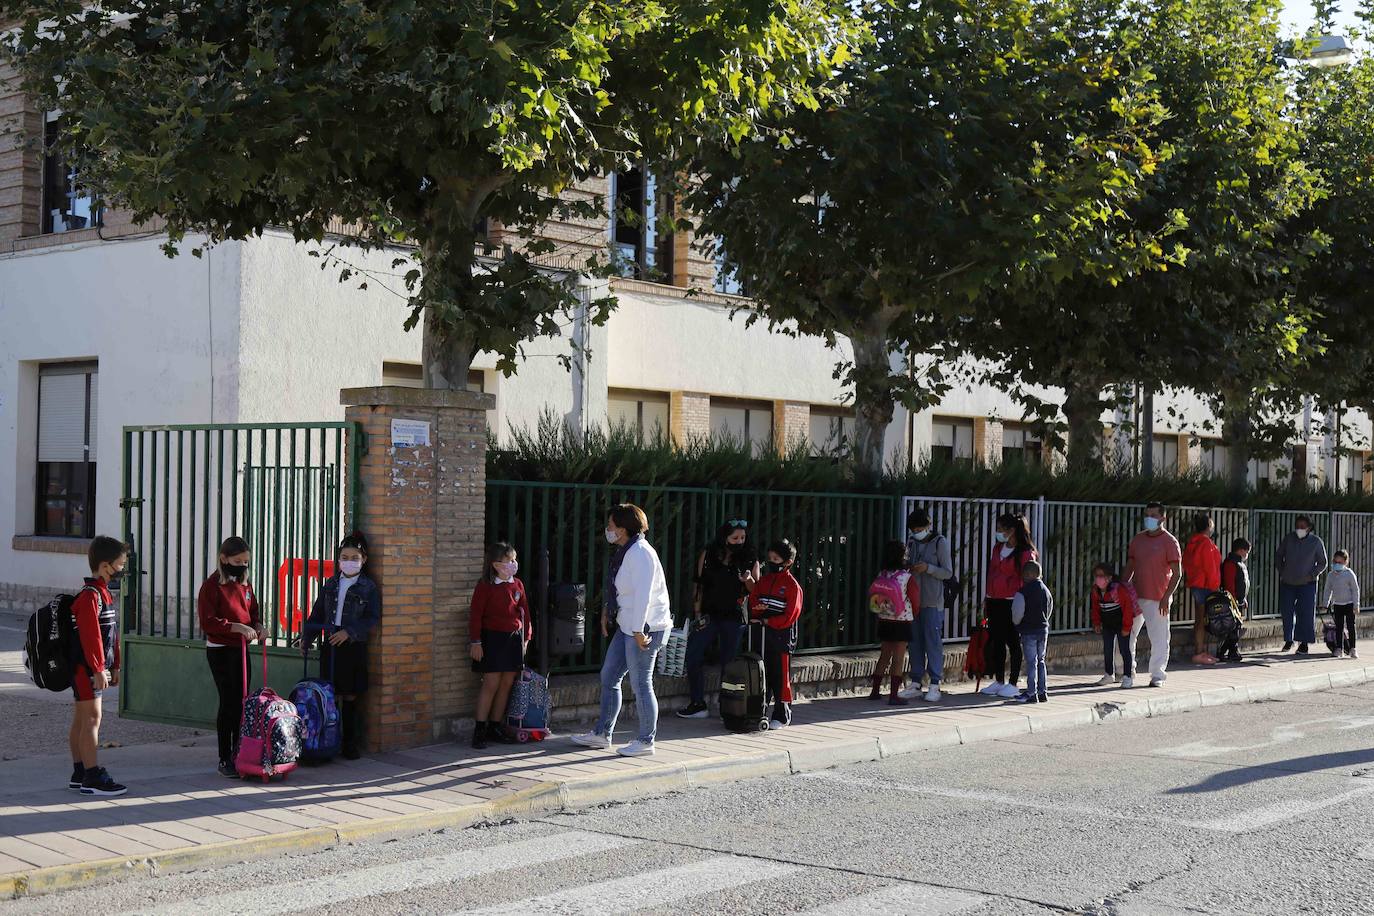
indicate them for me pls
(522, 735)
(763, 725)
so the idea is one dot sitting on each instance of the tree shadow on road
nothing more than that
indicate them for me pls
(1314, 763)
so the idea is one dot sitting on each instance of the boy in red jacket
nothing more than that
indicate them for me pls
(95, 664)
(776, 599)
(1202, 572)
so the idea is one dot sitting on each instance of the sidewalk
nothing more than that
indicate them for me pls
(179, 814)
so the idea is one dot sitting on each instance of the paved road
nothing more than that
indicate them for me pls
(1247, 810)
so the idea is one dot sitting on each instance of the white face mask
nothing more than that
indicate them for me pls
(350, 568)
(611, 536)
(921, 535)
(1302, 532)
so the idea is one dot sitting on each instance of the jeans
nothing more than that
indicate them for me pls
(724, 633)
(1149, 618)
(1343, 615)
(1004, 643)
(624, 656)
(1298, 605)
(926, 648)
(1033, 645)
(1122, 643)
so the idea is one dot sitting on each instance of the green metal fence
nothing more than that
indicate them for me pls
(287, 488)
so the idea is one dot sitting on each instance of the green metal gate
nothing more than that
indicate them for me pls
(289, 489)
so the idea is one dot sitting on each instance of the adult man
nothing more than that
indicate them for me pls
(1202, 568)
(1155, 567)
(1300, 559)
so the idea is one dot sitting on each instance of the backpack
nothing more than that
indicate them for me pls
(886, 597)
(320, 737)
(269, 732)
(1223, 616)
(49, 646)
(527, 713)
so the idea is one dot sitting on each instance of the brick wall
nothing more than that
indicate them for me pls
(987, 441)
(791, 424)
(21, 167)
(423, 510)
(689, 416)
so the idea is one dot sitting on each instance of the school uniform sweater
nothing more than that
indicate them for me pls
(503, 607)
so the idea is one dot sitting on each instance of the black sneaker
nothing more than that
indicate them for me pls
(1286, 646)
(1043, 698)
(99, 782)
(228, 770)
(1302, 648)
(78, 776)
(693, 711)
(479, 736)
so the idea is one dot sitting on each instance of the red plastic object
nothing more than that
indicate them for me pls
(297, 584)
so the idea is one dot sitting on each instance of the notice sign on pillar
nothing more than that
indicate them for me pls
(409, 433)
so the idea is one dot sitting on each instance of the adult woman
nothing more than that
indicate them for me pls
(724, 570)
(636, 619)
(230, 618)
(1014, 548)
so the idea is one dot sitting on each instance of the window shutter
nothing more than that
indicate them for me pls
(93, 426)
(62, 418)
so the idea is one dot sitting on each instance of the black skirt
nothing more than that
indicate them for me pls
(348, 665)
(894, 631)
(502, 651)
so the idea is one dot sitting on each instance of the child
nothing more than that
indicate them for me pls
(1235, 579)
(1113, 610)
(776, 599)
(894, 597)
(1343, 600)
(499, 631)
(95, 664)
(230, 617)
(1030, 612)
(347, 608)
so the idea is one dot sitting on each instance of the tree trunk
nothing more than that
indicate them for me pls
(448, 347)
(1083, 410)
(1237, 430)
(873, 401)
(446, 358)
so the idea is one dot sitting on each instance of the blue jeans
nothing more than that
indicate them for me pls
(1033, 648)
(624, 656)
(925, 651)
(1298, 605)
(726, 634)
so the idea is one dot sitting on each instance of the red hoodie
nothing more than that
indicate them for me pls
(1202, 563)
(1004, 573)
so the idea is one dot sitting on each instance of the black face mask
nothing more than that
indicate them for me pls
(235, 572)
(773, 567)
(115, 576)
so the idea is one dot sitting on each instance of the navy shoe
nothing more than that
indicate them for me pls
(99, 782)
(78, 776)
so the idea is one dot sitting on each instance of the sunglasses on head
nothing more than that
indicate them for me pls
(738, 523)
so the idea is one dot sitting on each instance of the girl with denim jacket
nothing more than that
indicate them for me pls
(348, 607)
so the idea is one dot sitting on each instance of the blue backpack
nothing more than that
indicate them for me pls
(321, 731)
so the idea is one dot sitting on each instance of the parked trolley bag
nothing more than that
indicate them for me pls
(269, 732)
(743, 690)
(527, 713)
(50, 644)
(1332, 635)
(320, 728)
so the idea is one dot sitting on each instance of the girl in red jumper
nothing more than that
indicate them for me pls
(1014, 548)
(229, 620)
(499, 630)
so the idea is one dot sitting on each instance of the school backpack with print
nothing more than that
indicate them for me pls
(269, 732)
(527, 713)
(320, 728)
(50, 643)
(1223, 616)
(886, 597)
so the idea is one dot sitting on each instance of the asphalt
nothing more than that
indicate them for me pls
(1253, 809)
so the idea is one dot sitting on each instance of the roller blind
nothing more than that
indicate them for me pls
(62, 423)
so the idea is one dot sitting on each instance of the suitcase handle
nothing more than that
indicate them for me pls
(749, 634)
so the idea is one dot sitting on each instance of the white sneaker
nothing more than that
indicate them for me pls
(1340, 653)
(592, 740)
(636, 748)
(1354, 653)
(1127, 683)
(776, 724)
(1107, 681)
(932, 695)
(1009, 692)
(910, 691)
(993, 689)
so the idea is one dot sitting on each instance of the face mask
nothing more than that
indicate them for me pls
(611, 537)
(922, 535)
(235, 572)
(773, 567)
(1302, 532)
(1151, 523)
(1338, 566)
(507, 570)
(1102, 581)
(350, 568)
(1001, 537)
(115, 576)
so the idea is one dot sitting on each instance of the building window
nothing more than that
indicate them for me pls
(65, 503)
(1216, 458)
(727, 280)
(638, 247)
(951, 439)
(1263, 474)
(1354, 465)
(412, 375)
(740, 423)
(1020, 445)
(643, 414)
(831, 431)
(67, 203)
(1164, 450)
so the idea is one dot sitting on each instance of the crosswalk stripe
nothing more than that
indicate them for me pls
(901, 900)
(394, 877)
(649, 889)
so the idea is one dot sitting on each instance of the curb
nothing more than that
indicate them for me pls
(633, 785)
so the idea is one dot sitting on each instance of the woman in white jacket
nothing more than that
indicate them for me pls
(636, 619)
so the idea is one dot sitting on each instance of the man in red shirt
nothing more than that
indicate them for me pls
(1155, 567)
(95, 664)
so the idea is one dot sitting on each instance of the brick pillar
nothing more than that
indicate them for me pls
(1189, 454)
(791, 425)
(423, 510)
(987, 441)
(689, 416)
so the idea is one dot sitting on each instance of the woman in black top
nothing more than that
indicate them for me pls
(725, 571)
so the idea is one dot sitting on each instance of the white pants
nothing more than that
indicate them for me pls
(1157, 624)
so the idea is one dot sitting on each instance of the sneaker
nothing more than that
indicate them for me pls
(1025, 698)
(776, 724)
(993, 689)
(1286, 646)
(1233, 657)
(1339, 653)
(1302, 648)
(1127, 683)
(592, 740)
(636, 748)
(911, 691)
(1009, 692)
(98, 782)
(1043, 698)
(228, 770)
(78, 776)
(693, 711)
(1106, 681)
(1354, 653)
(933, 694)
(1154, 683)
